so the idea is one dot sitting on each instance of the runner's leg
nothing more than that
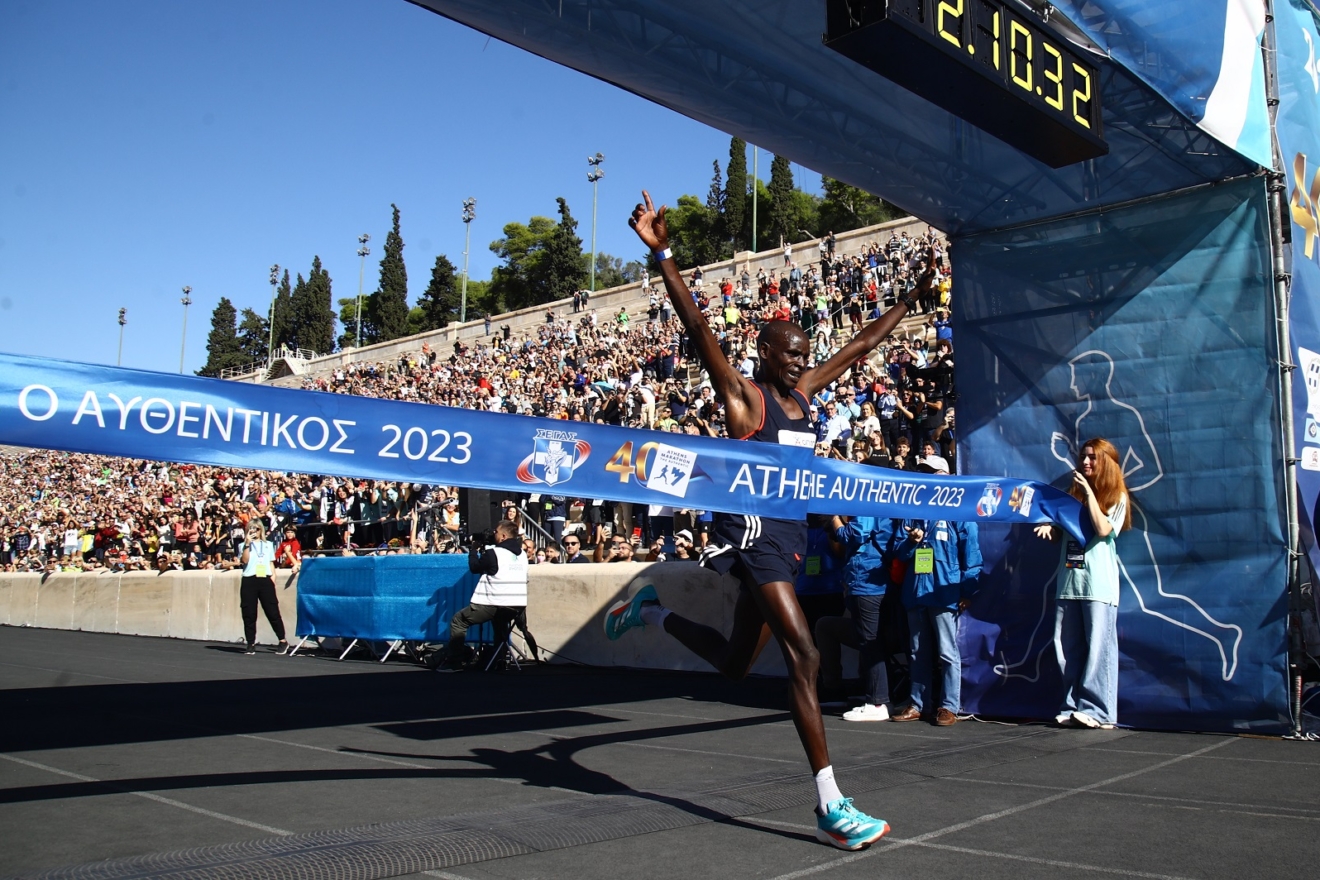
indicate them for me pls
(733, 656)
(780, 610)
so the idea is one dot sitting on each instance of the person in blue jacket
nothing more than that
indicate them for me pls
(819, 584)
(868, 543)
(944, 564)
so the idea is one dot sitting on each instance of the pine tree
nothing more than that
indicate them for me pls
(388, 306)
(439, 302)
(253, 335)
(283, 313)
(298, 312)
(735, 194)
(222, 349)
(719, 238)
(316, 312)
(565, 265)
(781, 200)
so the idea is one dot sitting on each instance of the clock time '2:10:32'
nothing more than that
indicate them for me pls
(1009, 46)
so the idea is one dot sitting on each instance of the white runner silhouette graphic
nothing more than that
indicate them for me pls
(1097, 372)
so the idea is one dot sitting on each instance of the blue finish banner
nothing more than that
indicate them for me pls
(112, 411)
(383, 598)
(1150, 326)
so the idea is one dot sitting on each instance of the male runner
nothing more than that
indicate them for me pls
(763, 553)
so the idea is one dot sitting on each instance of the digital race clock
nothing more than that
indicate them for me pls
(989, 62)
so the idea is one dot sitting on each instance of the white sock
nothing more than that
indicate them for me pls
(827, 790)
(654, 615)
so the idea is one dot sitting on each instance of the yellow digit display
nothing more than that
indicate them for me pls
(996, 64)
(953, 10)
(1015, 31)
(1055, 76)
(1080, 94)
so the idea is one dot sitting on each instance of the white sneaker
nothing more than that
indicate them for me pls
(867, 712)
(1064, 719)
(1084, 720)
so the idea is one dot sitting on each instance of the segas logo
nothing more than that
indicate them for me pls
(990, 498)
(555, 455)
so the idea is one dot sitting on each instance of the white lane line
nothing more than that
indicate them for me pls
(614, 708)
(150, 796)
(1053, 863)
(634, 745)
(877, 729)
(444, 875)
(345, 752)
(338, 752)
(987, 853)
(565, 738)
(1211, 757)
(71, 672)
(999, 814)
(1140, 796)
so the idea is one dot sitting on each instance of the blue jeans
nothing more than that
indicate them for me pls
(935, 628)
(1086, 644)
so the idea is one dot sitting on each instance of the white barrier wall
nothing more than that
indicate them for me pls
(199, 605)
(566, 606)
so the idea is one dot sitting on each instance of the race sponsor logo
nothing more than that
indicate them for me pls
(671, 470)
(1311, 458)
(555, 456)
(990, 498)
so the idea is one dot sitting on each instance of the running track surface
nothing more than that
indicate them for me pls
(137, 757)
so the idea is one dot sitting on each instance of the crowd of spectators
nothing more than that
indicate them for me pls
(73, 512)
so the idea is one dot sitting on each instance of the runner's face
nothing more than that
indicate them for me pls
(785, 359)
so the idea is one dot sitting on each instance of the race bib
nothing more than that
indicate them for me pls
(797, 438)
(1074, 555)
(813, 565)
(924, 563)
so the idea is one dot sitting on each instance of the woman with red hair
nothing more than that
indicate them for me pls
(1086, 614)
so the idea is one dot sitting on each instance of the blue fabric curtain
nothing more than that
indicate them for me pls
(1150, 326)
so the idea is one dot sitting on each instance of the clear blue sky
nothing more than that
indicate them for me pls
(149, 144)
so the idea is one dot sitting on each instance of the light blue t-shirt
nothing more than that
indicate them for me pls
(1097, 581)
(261, 559)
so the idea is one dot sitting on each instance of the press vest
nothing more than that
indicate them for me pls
(508, 586)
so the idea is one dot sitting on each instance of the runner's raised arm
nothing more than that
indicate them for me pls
(742, 405)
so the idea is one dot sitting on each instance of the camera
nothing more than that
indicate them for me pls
(483, 538)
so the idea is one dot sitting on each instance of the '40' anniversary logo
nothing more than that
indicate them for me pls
(658, 466)
(1305, 205)
(555, 455)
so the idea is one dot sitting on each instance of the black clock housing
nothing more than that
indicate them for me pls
(985, 61)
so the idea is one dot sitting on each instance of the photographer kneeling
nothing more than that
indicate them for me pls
(501, 591)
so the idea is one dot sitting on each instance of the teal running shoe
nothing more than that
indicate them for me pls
(627, 613)
(848, 828)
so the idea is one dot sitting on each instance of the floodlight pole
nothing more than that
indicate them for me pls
(594, 175)
(123, 319)
(756, 154)
(469, 214)
(362, 253)
(270, 346)
(187, 301)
